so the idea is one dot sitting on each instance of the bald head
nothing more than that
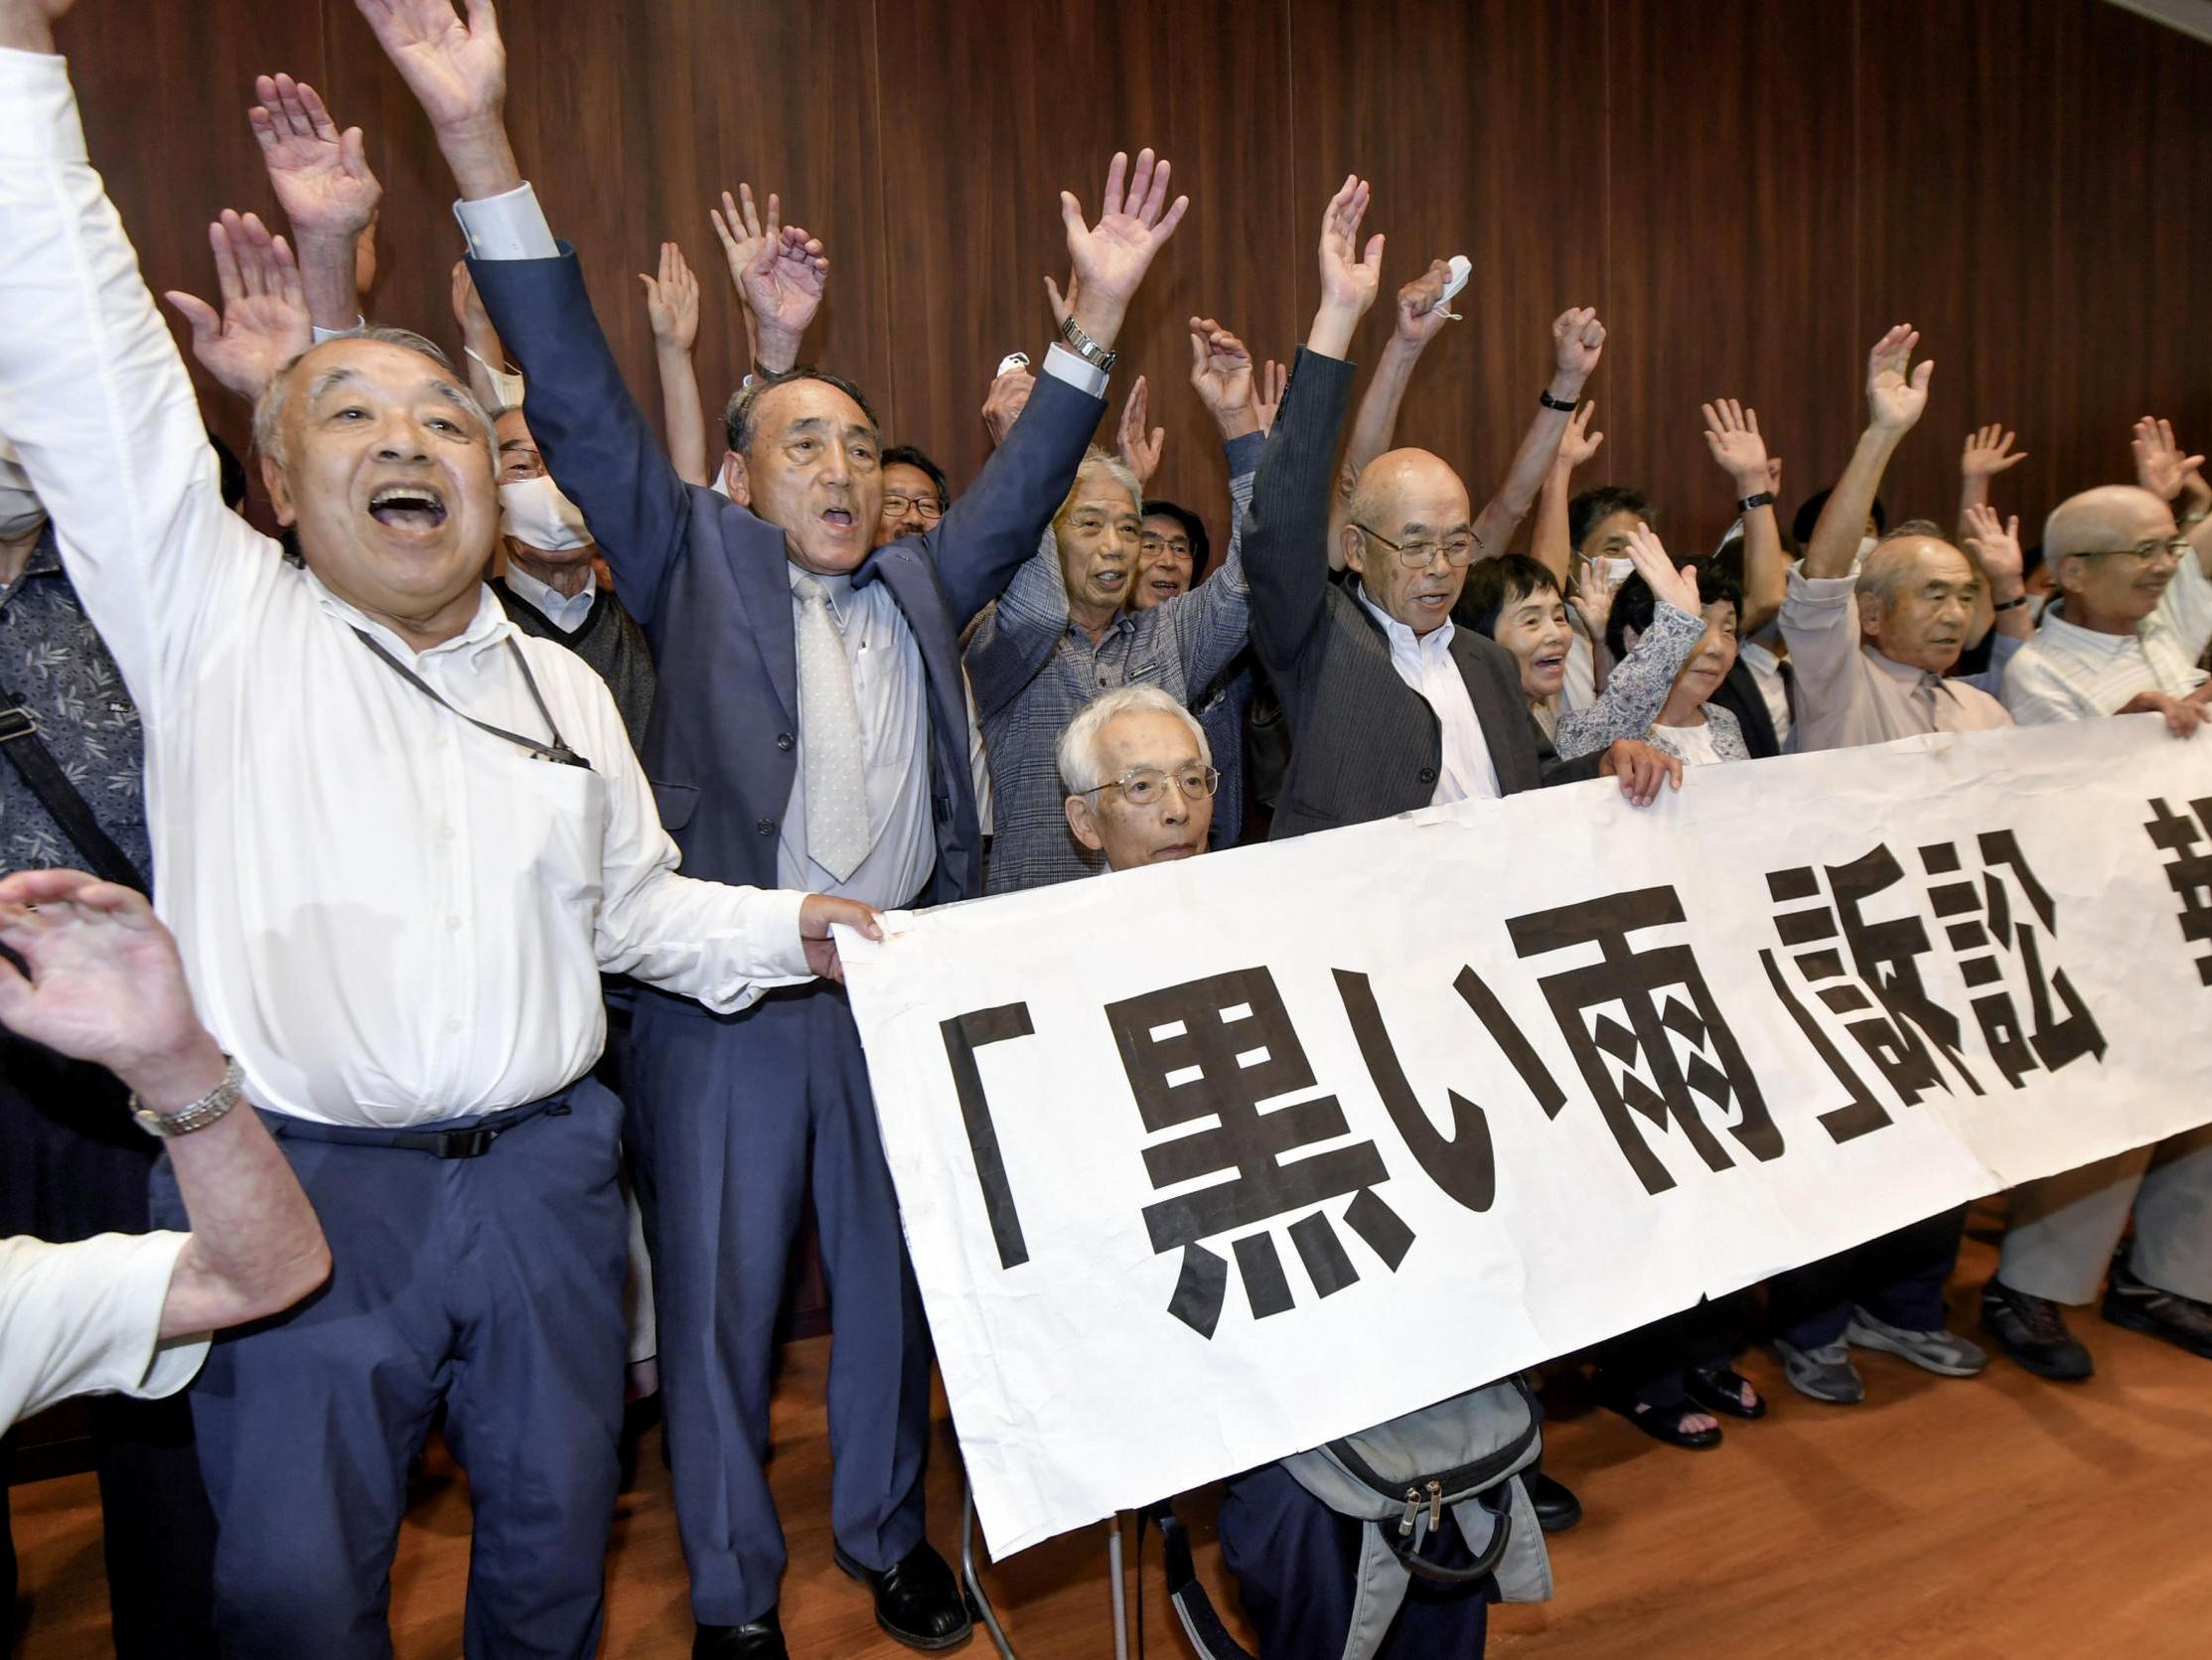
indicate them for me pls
(1409, 498)
(2112, 516)
(2084, 543)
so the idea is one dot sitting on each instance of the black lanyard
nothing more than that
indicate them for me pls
(555, 750)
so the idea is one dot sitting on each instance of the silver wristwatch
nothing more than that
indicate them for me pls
(1088, 349)
(200, 1114)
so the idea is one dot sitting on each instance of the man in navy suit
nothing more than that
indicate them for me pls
(811, 718)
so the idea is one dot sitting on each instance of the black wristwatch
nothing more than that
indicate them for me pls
(2012, 604)
(1546, 398)
(1764, 499)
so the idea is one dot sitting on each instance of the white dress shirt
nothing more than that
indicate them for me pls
(1424, 662)
(1766, 673)
(566, 612)
(85, 1320)
(387, 915)
(1848, 695)
(2069, 672)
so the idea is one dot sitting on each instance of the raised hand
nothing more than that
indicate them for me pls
(780, 272)
(1221, 375)
(320, 176)
(264, 324)
(2161, 466)
(1421, 314)
(1003, 404)
(1112, 256)
(1350, 277)
(1732, 436)
(1593, 598)
(1142, 455)
(1989, 451)
(1669, 584)
(672, 301)
(456, 69)
(1893, 401)
(1267, 392)
(1577, 342)
(1996, 543)
(1578, 443)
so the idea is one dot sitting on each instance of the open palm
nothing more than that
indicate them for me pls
(1134, 223)
(320, 176)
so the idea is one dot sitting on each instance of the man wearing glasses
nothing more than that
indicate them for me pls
(914, 494)
(2134, 615)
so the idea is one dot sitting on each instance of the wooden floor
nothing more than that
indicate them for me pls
(2001, 1517)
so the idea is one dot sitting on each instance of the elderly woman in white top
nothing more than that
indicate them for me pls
(1686, 726)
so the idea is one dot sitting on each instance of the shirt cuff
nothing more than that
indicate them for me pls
(1087, 377)
(172, 1361)
(507, 227)
(38, 110)
(1243, 453)
(321, 334)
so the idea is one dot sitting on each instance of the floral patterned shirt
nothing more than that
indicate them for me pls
(53, 660)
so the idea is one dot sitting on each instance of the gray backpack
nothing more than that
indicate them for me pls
(1399, 1479)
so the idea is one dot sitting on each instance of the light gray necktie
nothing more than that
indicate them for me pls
(837, 782)
(1932, 695)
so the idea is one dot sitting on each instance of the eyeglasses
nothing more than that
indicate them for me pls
(1164, 545)
(1458, 551)
(1146, 784)
(928, 507)
(2177, 549)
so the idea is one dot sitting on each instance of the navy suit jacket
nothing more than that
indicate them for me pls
(706, 580)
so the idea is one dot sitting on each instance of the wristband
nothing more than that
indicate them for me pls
(1764, 499)
(200, 1114)
(2012, 604)
(1546, 398)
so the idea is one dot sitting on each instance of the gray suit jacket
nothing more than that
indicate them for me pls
(1363, 743)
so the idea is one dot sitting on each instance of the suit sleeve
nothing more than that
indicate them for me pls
(596, 443)
(1285, 533)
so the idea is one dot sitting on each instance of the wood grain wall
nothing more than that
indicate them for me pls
(1748, 190)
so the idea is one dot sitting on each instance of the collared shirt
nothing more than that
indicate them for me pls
(1424, 662)
(1774, 690)
(1034, 669)
(2070, 673)
(53, 659)
(888, 684)
(387, 915)
(565, 612)
(85, 1320)
(1848, 695)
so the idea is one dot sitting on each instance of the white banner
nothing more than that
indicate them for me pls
(1207, 1164)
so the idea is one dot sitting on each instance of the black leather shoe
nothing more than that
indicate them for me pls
(2182, 1321)
(2031, 1331)
(918, 1600)
(1557, 1507)
(756, 1639)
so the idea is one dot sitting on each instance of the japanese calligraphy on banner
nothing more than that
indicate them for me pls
(1204, 1164)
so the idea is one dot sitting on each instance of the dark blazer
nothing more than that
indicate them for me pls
(706, 580)
(1363, 743)
(1740, 696)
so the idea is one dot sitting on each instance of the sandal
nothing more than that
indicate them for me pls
(1721, 1389)
(1664, 1422)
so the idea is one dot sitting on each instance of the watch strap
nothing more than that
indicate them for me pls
(1546, 398)
(215, 1105)
(1088, 349)
(1762, 498)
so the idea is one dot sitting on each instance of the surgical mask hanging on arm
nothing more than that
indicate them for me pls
(535, 514)
(21, 511)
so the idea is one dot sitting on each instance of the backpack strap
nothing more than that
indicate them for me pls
(1188, 1592)
(70, 813)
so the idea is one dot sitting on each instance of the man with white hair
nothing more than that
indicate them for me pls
(1139, 778)
(2132, 614)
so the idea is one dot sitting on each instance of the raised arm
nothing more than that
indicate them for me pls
(780, 273)
(1139, 453)
(1637, 689)
(672, 306)
(1213, 621)
(2169, 473)
(324, 185)
(1894, 402)
(1421, 317)
(1553, 546)
(491, 378)
(597, 444)
(1577, 342)
(983, 541)
(95, 397)
(106, 986)
(1738, 450)
(264, 324)
(1287, 545)
(1994, 545)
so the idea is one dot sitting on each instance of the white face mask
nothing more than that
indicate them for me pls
(535, 514)
(1617, 567)
(1867, 545)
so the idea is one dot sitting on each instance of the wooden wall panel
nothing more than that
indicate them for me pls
(1732, 261)
(989, 113)
(1958, 231)
(1479, 128)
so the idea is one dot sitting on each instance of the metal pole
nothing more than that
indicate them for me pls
(975, 1584)
(1121, 1590)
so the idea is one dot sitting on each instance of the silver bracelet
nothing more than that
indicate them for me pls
(216, 1104)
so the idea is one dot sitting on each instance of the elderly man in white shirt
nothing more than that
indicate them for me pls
(398, 844)
(133, 1314)
(2133, 616)
(1870, 655)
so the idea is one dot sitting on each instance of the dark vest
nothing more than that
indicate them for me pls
(610, 641)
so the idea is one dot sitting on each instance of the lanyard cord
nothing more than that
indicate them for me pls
(555, 750)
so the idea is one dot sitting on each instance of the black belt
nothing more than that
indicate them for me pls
(466, 1142)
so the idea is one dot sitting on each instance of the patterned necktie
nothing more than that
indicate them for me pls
(1933, 692)
(836, 786)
